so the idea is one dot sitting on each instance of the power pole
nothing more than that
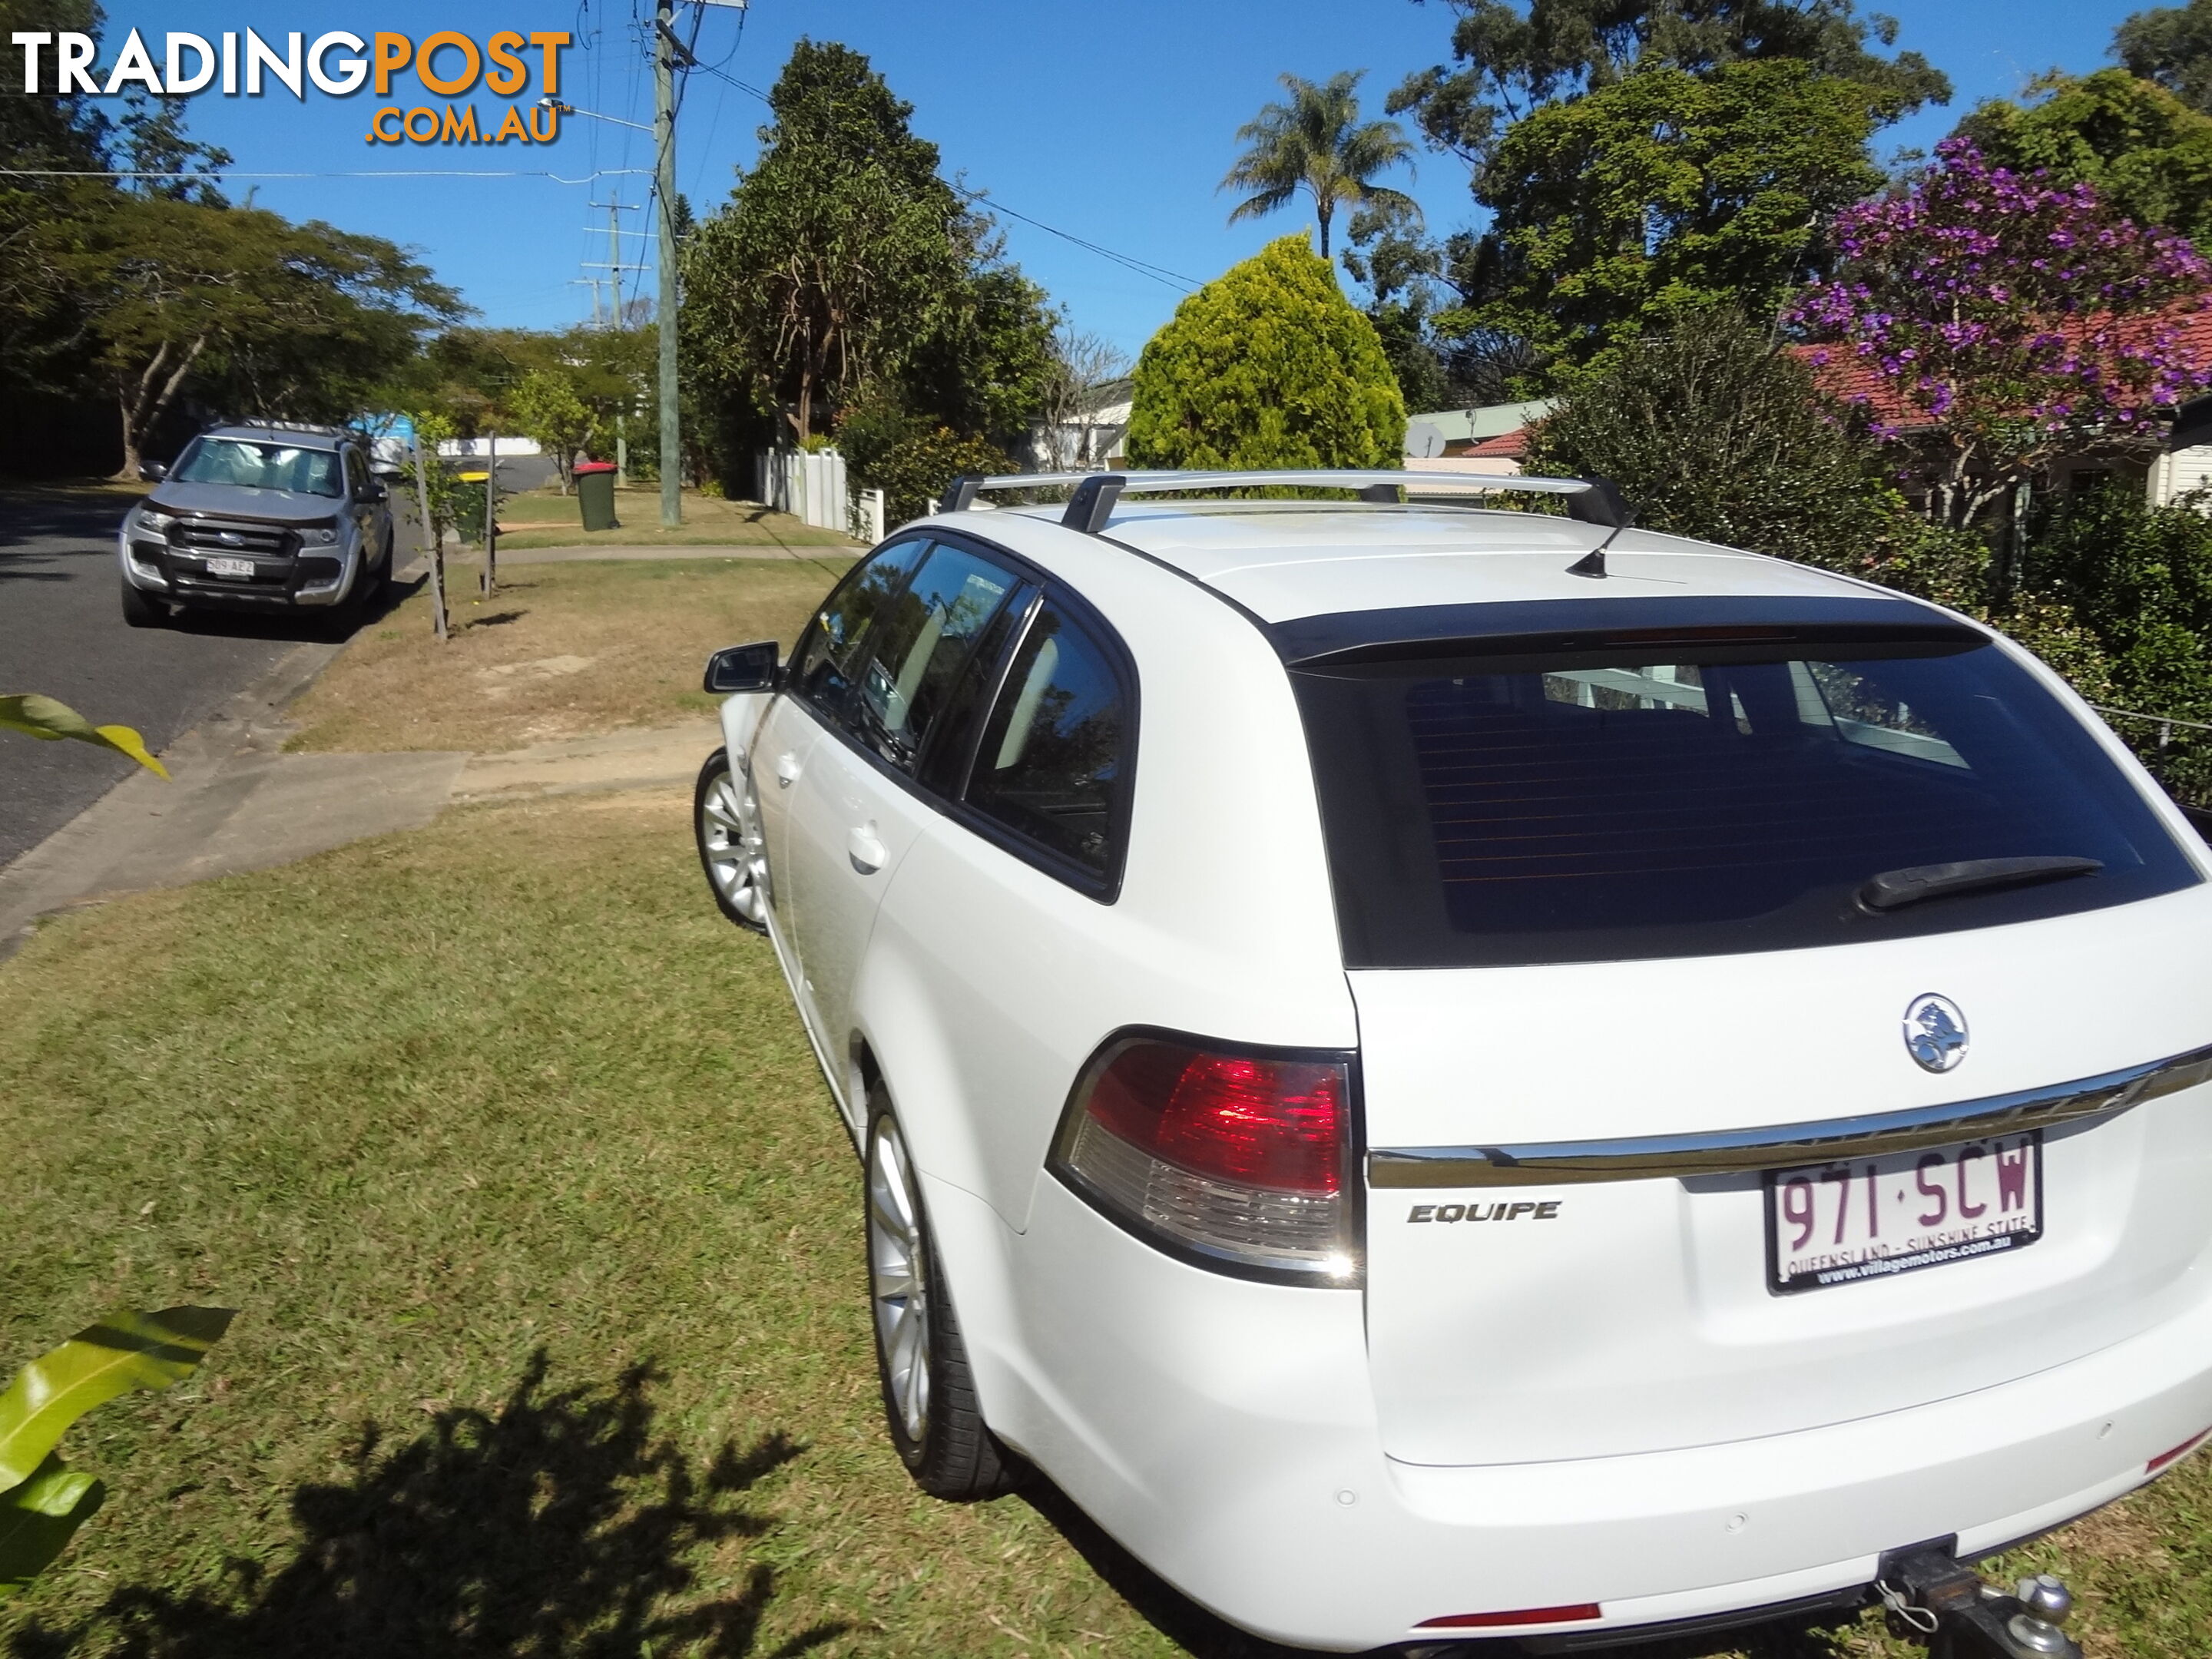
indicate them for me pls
(433, 543)
(491, 512)
(664, 120)
(614, 265)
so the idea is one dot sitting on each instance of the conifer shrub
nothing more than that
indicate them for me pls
(1267, 366)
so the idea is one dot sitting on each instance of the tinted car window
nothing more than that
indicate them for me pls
(952, 742)
(1054, 758)
(1593, 806)
(922, 640)
(833, 648)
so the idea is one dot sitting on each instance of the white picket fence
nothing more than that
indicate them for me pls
(813, 488)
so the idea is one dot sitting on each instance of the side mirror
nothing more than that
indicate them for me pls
(377, 492)
(152, 471)
(752, 667)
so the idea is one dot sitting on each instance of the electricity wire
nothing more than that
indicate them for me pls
(1159, 274)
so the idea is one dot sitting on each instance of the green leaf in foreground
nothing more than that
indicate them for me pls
(38, 1517)
(124, 1351)
(49, 721)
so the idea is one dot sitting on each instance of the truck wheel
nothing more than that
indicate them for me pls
(141, 609)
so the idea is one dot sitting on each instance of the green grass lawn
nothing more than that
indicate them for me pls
(545, 1240)
(552, 1337)
(558, 651)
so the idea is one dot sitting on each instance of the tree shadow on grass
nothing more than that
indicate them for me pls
(557, 1525)
(1206, 1635)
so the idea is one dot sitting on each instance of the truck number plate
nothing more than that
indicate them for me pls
(1868, 1217)
(237, 569)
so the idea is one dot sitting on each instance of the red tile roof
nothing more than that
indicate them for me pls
(1849, 378)
(1506, 445)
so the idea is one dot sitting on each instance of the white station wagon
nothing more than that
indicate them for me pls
(1456, 1074)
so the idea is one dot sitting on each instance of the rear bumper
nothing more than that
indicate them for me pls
(1225, 1433)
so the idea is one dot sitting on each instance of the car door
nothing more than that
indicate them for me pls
(817, 685)
(853, 812)
(361, 508)
(996, 909)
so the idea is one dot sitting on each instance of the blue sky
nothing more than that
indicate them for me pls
(1111, 123)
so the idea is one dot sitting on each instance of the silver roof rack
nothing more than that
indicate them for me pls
(317, 428)
(1594, 501)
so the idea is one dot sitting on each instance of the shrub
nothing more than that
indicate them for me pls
(1712, 432)
(2137, 580)
(911, 458)
(1267, 366)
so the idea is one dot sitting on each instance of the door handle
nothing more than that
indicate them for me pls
(866, 849)
(786, 769)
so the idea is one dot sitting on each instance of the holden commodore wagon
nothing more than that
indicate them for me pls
(1455, 1073)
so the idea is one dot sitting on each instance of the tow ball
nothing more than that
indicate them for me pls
(1961, 1616)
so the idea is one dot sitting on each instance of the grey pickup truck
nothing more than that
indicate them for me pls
(262, 516)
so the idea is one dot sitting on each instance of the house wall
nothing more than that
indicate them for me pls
(2177, 473)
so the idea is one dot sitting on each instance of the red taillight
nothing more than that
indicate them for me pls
(1275, 1123)
(1519, 1616)
(1238, 1157)
(2176, 1454)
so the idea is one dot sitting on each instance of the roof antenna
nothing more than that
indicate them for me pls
(1601, 503)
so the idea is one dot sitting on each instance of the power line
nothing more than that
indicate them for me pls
(1159, 274)
(1142, 267)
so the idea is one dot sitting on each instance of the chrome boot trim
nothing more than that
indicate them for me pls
(1784, 1145)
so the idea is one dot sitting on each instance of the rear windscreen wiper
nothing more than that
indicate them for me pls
(1892, 888)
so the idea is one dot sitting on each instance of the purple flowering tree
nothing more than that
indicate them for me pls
(1990, 322)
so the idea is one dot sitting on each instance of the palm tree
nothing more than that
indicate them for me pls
(1316, 142)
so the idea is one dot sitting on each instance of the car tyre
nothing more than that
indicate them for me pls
(142, 609)
(375, 579)
(929, 1392)
(725, 821)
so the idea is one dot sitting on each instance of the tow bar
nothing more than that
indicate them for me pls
(1959, 1616)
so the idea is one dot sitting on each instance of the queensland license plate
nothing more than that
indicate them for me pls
(237, 569)
(1871, 1218)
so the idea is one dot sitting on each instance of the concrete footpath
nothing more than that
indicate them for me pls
(796, 553)
(235, 801)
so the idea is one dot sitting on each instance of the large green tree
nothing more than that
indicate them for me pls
(1316, 143)
(47, 348)
(265, 317)
(2171, 45)
(2147, 153)
(1266, 366)
(1509, 60)
(1663, 193)
(842, 235)
(846, 288)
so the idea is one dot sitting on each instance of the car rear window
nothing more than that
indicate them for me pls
(1607, 802)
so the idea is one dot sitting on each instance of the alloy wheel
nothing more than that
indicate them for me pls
(732, 846)
(897, 1279)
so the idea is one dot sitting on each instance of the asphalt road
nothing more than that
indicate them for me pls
(62, 633)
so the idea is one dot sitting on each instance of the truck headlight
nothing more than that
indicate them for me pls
(155, 521)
